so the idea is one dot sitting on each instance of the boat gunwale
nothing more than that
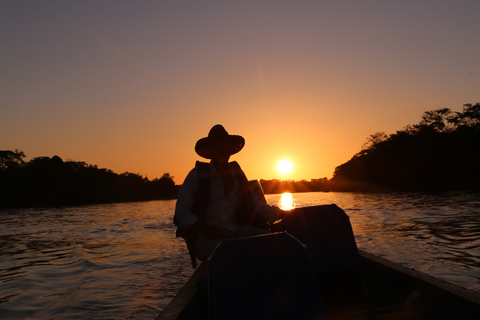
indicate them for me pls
(180, 303)
(448, 290)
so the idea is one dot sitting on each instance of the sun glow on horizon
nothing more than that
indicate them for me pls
(284, 166)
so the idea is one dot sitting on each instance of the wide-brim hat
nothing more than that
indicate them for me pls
(219, 139)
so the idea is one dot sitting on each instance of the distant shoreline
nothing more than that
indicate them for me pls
(441, 153)
(20, 206)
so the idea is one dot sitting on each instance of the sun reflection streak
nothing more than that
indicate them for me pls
(287, 202)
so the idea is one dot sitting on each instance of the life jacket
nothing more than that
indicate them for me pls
(245, 210)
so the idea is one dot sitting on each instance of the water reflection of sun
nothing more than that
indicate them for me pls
(287, 202)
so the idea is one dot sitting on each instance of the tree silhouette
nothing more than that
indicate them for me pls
(11, 159)
(441, 152)
(45, 181)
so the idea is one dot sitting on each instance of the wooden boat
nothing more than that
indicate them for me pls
(312, 269)
(396, 292)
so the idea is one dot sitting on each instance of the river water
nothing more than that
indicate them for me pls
(122, 261)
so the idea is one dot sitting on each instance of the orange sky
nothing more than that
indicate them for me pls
(131, 86)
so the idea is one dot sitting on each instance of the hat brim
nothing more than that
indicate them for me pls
(231, 145)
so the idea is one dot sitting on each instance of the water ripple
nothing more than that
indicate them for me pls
(123, 261)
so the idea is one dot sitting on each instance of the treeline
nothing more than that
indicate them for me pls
(44, 182)
(280, 186)
(440, 153)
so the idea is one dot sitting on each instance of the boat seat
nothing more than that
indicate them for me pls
(263, 277)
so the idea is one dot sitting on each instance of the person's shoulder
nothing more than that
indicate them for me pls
(202, 168)
(194, 172)
(236, 167)
(202, 165)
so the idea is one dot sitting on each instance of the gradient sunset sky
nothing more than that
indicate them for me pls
(132, 85)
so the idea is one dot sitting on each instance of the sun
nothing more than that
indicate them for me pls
(284, 166)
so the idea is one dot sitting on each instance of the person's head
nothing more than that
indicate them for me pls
(219, 145)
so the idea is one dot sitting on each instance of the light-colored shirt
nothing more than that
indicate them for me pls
(221, 211)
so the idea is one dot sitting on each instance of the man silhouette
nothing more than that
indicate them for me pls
(215, 201)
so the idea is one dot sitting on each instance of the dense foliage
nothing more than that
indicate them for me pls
(440, 153)
(45, 181)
